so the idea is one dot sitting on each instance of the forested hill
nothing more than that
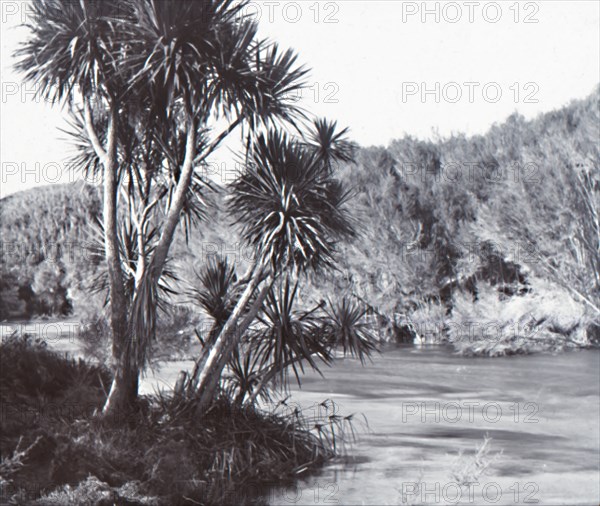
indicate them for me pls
(46, 234)
(519, 202)
(503, 212)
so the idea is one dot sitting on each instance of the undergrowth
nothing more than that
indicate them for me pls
(55, 449)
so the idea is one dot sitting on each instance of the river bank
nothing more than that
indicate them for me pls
(56, 449)
(429, 410)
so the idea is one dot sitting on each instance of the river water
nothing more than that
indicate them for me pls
(428, 412)
(425, 406)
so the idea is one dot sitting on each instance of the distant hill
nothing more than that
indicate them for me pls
(435, 219)
(45, 235)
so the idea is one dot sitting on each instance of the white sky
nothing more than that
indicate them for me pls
(360, 66)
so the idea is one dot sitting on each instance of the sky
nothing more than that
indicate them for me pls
(385, 69)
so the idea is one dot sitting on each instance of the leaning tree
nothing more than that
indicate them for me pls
(154, 87)
(292, 210)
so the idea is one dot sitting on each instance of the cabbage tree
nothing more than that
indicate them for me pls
(292, 211)
(153, 87)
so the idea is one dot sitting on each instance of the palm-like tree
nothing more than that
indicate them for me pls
(148, 82)
(287, 338)
(292, 210)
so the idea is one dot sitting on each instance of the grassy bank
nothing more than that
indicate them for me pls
(54, 450)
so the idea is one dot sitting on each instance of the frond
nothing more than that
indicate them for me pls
(72, 45)
(329, 145)
(290, 207)
(346, 327)
(174, 42)
(217, 293)
(279, 79)
(286, 337)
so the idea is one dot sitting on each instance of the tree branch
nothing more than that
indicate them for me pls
(93, 136)
(162, 248)
(215, 144)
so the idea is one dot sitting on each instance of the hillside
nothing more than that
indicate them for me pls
(46, 254)
(444, 226)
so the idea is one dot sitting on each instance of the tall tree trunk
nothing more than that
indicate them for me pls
(123, 390)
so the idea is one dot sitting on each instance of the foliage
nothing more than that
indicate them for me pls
(464, 214)
(289, 205)
(285, 335)
(467, 470)
(519, 220)
(547, 318)
(46, 255)
(159, 454)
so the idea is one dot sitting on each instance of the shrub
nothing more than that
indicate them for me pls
(545, 318)
(428, 320)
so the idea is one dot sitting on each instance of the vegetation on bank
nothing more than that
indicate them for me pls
(47, 259)
(483, 230)
(547, 318)
(55, 450)
(453, 230)
(153, 89)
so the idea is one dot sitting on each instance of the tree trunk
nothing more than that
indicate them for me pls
(192, 384)
(208, 376)
(161, 251)
(214, 370)
(124, 387)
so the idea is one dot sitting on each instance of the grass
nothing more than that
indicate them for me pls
(466, 470)
(55, 450)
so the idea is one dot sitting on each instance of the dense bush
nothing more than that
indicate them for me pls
(46, 249)
(546, 318)
(460, 217)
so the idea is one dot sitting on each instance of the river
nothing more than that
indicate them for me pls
(428, 412)
(425, 405)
